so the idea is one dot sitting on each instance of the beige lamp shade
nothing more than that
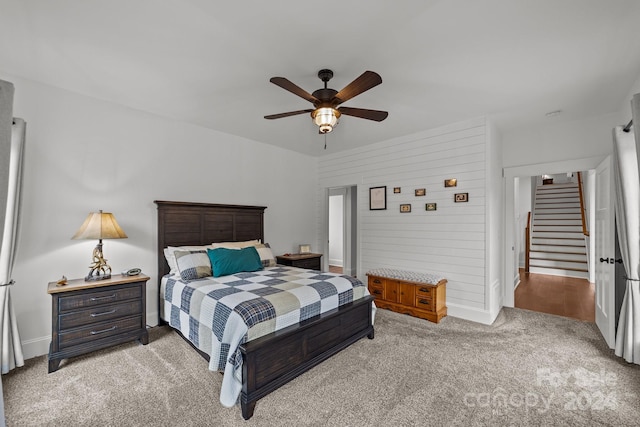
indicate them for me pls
(100, 225)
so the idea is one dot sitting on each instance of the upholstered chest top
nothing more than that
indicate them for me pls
(410, 276)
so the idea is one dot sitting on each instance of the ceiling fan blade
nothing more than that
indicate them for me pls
(290, 113)
(375, 115)
(366, 81)
(293, 88)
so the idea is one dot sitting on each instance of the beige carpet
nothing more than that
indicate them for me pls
(526, 369)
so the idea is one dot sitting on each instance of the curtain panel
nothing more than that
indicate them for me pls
(12, 133)
(627, 206)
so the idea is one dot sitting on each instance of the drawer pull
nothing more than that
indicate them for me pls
(377, 292)
(423, 301)
(104, 330)
(426, 290)
(376, 281)
(101, 298)
(104, 313)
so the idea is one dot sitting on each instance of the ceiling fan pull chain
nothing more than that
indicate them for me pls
(325, 141)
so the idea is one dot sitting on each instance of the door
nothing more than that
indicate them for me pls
(605, 252)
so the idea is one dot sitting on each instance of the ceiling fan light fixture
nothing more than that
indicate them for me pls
(326, 118)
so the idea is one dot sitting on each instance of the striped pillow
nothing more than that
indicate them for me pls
(193, 265)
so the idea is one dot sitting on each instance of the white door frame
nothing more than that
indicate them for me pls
(349, 213)
(510, 173)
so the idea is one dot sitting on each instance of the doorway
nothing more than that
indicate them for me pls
(341, 230)
(553, 274)
(605, 293)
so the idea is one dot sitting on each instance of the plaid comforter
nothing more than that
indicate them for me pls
(218, 314)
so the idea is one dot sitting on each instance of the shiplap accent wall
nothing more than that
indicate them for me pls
(451, 241)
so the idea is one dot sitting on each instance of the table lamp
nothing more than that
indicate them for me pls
(99, 225)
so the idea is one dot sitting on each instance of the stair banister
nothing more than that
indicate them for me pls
(527, 234)
(582, 207)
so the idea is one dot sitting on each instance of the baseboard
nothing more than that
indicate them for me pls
(469, 313)
(336, 262)
(35, 347)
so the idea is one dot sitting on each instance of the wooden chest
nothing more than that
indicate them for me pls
(427, 301)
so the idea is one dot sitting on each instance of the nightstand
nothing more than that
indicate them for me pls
(89, 316)
(310, 261)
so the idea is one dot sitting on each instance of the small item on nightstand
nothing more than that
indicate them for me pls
(132, 272)
(62, 281)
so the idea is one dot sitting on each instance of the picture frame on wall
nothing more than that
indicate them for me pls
(461, 197)
(421, 191)
(396, 190)
(431, 206)
(451, 182)
(405, 207)
(378, 198)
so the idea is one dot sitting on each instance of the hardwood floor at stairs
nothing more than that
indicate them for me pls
(562, 296)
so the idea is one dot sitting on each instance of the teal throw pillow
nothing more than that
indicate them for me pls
(230, 261)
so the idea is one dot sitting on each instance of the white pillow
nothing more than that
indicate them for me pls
(236, 245)
(171, 258)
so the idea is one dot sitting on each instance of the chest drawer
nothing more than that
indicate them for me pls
(99, 314)
(424, 303)
(423, 291)
(99, 297)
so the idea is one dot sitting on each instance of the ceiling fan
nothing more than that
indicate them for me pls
(326, 111)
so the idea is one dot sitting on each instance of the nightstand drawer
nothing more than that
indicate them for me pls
(99, 297)
(98, 331)
(312, 263)
(99, 314)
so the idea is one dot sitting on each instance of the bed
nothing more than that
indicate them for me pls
(268, 361)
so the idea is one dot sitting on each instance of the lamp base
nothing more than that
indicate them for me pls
(99, 269)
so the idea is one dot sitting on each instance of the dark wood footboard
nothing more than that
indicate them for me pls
(275, 359)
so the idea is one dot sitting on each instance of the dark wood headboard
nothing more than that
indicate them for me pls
(195, 224)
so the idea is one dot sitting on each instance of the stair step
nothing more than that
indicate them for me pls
(556, 241)
(555, 205)
(557, 235)
(552, 263)
(560, 272)
(555, 211)
(556, 222)
(558, 256)
(558, 196)
(544, 261)
(557, 228)
(565, 249)
(548, 187)
(557, 215)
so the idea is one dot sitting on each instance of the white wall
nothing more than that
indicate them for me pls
(561, 141)
(453, 240)
(83, 155)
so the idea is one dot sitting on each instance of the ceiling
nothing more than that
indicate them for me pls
(209, 62)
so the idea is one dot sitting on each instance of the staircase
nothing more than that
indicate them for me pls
(557, 240)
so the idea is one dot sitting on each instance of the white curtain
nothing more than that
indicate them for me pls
(627, 205)
(12, 133)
